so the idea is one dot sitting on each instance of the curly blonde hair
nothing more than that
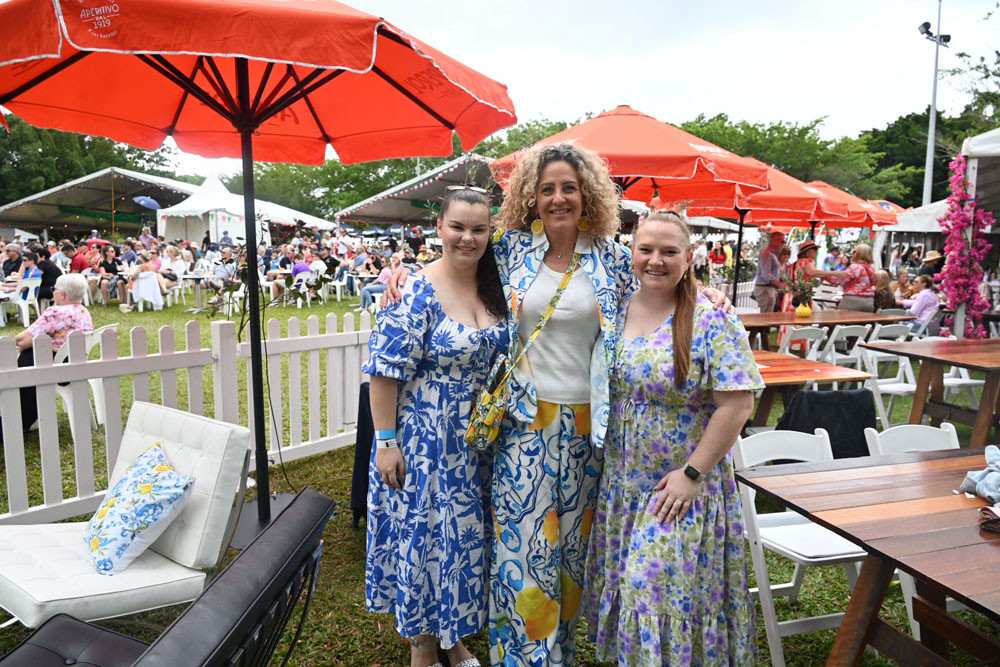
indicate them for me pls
(601, 200)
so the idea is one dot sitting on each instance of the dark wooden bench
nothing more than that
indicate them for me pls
(237, 620)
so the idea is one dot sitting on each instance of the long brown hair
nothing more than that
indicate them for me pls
(687, 295)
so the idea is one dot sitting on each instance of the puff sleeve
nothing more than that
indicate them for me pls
(729, 362)
(397, 342)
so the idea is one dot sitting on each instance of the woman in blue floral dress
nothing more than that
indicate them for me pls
(427, 535)
(667, 567)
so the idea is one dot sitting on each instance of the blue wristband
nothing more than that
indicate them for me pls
(386, 434)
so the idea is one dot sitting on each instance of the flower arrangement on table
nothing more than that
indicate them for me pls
(802, 289)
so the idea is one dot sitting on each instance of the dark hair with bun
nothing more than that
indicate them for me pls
(488, 287)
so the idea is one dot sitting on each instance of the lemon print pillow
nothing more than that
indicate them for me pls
(136, 511)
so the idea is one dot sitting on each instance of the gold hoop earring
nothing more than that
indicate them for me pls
(583, 224)
(537, 227)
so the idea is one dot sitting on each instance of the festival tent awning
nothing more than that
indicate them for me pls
(94, 201)
(416, 200)
(214, 208)
(983, 152)
(921, 220)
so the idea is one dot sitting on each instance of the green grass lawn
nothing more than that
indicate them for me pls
(339, 631)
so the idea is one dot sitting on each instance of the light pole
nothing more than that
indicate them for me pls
(939, 40)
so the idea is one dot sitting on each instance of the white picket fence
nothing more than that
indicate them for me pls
(329, 361)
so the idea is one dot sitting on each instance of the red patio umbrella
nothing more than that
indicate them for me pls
(646, 156)
(235, 78)
(861, 211)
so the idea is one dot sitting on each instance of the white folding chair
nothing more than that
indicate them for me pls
(901, 312)
(887, 333)
(930, 327)
(790, 534)
(849, 336)
(810, 337)
(904, 439)
(23, 298)
(903, 383)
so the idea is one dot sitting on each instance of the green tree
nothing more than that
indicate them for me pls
(34, 159)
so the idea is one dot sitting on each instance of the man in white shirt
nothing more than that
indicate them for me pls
(700, 261)
(768, 280)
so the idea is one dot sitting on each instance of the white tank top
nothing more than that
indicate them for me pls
(560, 356)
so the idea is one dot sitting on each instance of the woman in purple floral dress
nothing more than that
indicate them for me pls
(667, 566)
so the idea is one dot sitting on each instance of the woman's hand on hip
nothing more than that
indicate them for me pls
(391, 466)
(391, 296)
(718, 299)
(677, 493)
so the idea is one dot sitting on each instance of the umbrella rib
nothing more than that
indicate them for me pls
(165, 68)
(220, 85)
(263, 84)
(413, 98)
(180, 107)
(309, 105)
(266, 104)
(28, 85)
(299, 91)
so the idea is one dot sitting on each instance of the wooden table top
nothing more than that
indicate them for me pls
(903, 508)
(781, 370)
(972, 353)
(820, 317)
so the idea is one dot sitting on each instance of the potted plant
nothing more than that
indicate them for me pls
(802, 292)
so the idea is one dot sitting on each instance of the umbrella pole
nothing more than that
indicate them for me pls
(812, 229)
(742, 212)
(247, 529)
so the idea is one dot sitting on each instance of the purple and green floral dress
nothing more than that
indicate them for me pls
(676, 593)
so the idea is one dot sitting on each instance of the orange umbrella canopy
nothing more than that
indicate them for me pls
(138, 71)
(861, 212)
(646, 156)
(789, 200)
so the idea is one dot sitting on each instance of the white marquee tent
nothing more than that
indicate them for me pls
(215, 209)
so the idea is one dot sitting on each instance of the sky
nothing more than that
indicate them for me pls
(858, 63)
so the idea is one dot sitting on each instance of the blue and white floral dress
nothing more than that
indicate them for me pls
(428, 543)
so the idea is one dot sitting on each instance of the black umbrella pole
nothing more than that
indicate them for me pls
(253, 323)
(737, 253)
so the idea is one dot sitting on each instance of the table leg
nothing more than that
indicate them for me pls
(764, 406)
(984, 418)
(764, 335)
(862, 611)
(923, 386)
(929, 637)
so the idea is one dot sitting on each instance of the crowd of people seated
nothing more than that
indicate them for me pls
(110, 268)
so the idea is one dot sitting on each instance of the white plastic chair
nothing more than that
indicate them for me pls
(46, 569)
(887, 333)
(903, 383)
(811, 337)
(790, 534)
(932, 324)
(23, 298)
(851, 356)
(894, 311)
(905, 439)
(146, 288)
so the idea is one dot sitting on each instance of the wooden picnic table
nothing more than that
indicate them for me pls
(902, 511)
(759, 324)
(973, 354)
(787, 372)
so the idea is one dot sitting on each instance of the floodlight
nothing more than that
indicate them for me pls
(925, 28)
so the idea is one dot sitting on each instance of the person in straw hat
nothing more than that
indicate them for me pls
(932, 263)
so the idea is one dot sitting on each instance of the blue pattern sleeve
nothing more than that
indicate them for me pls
(729, 362)
(396, 345)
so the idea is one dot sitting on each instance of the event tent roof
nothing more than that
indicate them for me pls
(921, 220)
(86, 202)
(212, 195)
(413, 201)
(984, 149)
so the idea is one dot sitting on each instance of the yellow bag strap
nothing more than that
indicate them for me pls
(574, 264)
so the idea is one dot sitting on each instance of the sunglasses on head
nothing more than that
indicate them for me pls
(473, 188)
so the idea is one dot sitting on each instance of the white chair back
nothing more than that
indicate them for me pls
(770, 446)
(894, 311)
(890, 332)
(812, 336)
(911, 438)
(211, 452)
